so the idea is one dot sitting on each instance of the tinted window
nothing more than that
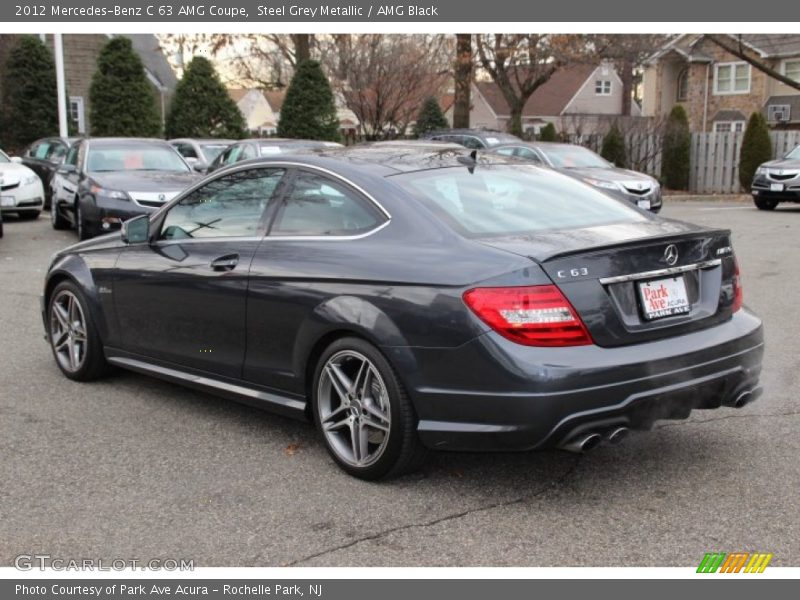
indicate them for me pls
(41, 150)
(503, 200)
(225, 207)
(57, 152)
(569, 157)
(527, 154)
(212, 151)
(472, 143)
(126, 156)
(186, 150)
(72, 155)
(319, 206)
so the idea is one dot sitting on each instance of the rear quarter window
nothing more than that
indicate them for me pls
(504, 200)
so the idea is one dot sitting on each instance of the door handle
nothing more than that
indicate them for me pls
(225, 263)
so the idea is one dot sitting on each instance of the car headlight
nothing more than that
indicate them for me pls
(761, 171)
(30, 179)
(609, 185)
(107, 193)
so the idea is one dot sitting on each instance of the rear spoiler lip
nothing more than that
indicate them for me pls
(673, 237)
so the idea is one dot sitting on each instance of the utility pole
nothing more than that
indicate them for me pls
(58, 47)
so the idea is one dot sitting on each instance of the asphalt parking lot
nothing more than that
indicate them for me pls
(132, 467)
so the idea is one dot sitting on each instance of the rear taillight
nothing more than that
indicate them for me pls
(738, 296)
(537, 315)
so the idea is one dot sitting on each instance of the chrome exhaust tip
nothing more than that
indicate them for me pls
(582, 443)
(616, 436)
(742, 399)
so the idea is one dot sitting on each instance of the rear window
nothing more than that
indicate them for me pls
(503, 200)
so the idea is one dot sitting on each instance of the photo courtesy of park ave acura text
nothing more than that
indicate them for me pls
(398, 297)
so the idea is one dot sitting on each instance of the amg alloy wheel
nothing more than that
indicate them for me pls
(73, 336)
(363, 412)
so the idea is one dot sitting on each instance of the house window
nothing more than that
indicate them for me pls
(76, 113)
(683, 85)
(732, 78)
(791, 68)
(728, 126)
(602, 87)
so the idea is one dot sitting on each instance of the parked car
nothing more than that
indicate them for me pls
(21, 189)
(414, 298)
(777, 181)
(475, 139)
(581, 163)
(200, 153)
(43, 157)
(258, 147)
(104, 181)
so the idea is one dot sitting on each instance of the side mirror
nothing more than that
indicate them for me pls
(16, 159)
(66, 169)
(199, 166)
(136, 230)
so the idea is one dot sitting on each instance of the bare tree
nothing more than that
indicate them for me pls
(628, 52)
(463, 80)
(521, 63)
(384, 79)
(739, 50)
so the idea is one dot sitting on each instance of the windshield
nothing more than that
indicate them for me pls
(4, 157)
(496, 138)
(503, 200)
(212, 151)
(134, 157)
(794, 153)
(573, 157)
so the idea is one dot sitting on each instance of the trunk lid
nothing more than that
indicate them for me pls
(601, 270)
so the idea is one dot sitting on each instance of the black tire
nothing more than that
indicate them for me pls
(93, 364)
(764, 204)
(403, 452)
(83, 228)
(57, 220)
(28, 215)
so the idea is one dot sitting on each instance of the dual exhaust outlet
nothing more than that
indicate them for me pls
(587, 441)
(584, 442)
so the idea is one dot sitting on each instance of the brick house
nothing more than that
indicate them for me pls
(719, 91)
(578, 98)
(80, 62)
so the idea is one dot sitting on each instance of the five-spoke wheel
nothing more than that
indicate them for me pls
(363, 412)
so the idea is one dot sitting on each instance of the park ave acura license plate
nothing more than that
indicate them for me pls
(664, 297)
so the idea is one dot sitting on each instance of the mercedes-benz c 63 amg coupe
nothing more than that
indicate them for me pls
(408, 298)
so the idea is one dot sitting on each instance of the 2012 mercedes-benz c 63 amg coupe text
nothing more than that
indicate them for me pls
(408, 297)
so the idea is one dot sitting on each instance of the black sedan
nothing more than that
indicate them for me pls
(415, 298)
(104, 181)
(44, 156)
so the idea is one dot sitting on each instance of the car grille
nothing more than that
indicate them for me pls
(9, 187)
(149, 203)
(784, 177)
(638, 192)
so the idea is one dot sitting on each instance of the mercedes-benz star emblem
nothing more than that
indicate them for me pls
(671, 254)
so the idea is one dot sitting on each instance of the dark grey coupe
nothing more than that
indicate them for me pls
(409, 298)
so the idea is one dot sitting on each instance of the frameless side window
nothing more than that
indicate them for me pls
(506, 200)
(318, 206)
(230, 206)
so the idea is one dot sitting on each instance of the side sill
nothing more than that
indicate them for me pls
(240, 392)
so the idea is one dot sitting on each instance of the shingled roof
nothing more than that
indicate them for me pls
(550, 99)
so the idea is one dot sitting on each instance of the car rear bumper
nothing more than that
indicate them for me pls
(493, 394)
